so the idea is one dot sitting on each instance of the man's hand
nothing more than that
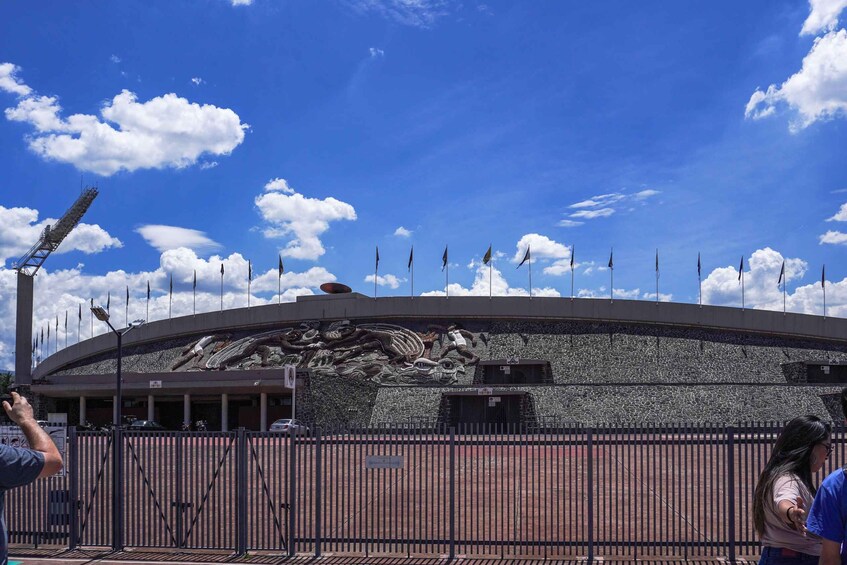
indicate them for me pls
(20, 411)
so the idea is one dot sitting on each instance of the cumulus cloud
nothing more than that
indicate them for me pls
(833, 237)
(197, 81)
(115, 59)
(817, 92)
(823, 16)
(376, 52)
(165, 131)
(390, 281)
(498, 286)
(241, 2)
(303, 220)
(414, 13)
(9, 82)
(171, 237)
(20, 230)
(553, 255)
(840, 216)
(604, 205)
(402, 232)
(69, 290)
(722, 287)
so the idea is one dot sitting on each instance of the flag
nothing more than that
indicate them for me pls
(80, 312)
(249, 271)
(92, 303)
(698, 265)
(42, 336)
(526, 258)
(48, 333)
(222, 269)
(657, 262)
(781, 274)
(127, 295)
(823, 277)
(171, 287)
(487, 258)
(108, 300)
(376, 265)
(148, 290)
(195, 279)
(281, 268)
(741, 268)
(611, 259)
(57, 325)
(572, 250)
(66, 321)
(411, 258)
(444, 259)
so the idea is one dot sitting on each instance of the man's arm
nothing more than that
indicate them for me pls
(830, 553)
(20, 412)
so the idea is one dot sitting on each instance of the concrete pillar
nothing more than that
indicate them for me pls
(186, 408)
(151, 407)
(82, 418)
(23, 331)
(263, 411)
(115, 408)
(224, 412)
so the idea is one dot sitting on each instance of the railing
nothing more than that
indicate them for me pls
(559, 491)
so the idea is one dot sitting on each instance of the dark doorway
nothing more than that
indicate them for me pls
(493, 409)
(513, 372)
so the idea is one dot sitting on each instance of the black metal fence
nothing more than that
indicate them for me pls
(482, 490)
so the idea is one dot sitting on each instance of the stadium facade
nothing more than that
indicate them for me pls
(363, 361)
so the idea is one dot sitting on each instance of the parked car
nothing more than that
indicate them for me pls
(288, 425)
(145, 425)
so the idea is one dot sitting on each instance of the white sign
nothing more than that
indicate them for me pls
(383, 462)
(289, 375)
(507, 370)
(155, 384)
(492, 401)
(13, 436)
(485, 391)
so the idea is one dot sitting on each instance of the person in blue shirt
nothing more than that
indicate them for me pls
(20, 466)
(828, 514)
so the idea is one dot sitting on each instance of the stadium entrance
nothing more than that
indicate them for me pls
(484, 406)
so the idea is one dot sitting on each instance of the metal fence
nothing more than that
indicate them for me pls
(479, 490)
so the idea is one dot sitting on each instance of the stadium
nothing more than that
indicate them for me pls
(367, 362)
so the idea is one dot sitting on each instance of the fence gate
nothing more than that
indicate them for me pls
(265, 490)
(90, 470)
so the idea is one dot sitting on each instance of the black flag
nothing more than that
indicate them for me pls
(444, 259)
(281, 268)
(80, 312)
(222, 269)
(823, 277)
(127, 295)
(526, 258)
(411, 259)
(698, 265)
(657, 262)
(376, 265)
(171, 286)
(572, 253)
(249, 271)
(781, 274)
(108, 300)
(487, 257)
(741, 268)
(611, 259)
(148, 290)
(195, 279)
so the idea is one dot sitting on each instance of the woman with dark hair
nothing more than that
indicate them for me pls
(785, 491)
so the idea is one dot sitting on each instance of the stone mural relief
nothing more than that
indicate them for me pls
(387, 354)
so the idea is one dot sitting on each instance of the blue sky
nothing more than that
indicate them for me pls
(222, 132)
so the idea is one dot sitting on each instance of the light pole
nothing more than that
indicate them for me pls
(117, 453)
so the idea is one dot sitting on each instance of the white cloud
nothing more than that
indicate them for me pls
(206, 165)
(591, 214)
(11, 83)
(498, 286)
(823, 16)
(20, 230)
(415, 13)
(197, 81)
(722, 287)
(241, 2)
(166, 131)
(833, 238)
(390, 281)
(291, 214)
(644, 194)
(115, 59)
(569, 223)
(171, 237)
(542, 247)
(817, 92)
(600, 200)
(402, 232)
(840, 216)
(376, 52)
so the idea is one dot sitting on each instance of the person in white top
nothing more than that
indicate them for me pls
(785, 492)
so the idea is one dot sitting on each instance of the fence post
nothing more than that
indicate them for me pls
(117, 489)
(589, 432)
(452, 494)
(72, 472)
(292, 493)
(241, 491)
(730, 479)
(317, 493)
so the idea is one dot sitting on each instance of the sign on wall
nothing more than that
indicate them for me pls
(13, 436)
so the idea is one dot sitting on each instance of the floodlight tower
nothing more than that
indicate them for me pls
(27, 266)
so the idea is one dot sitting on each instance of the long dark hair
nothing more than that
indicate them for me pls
(792, 454)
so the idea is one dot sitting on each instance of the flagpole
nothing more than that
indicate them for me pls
(79, 324)
(126, 309)
(91, 317)
(66, 329)
(657, 277)
(490, 277)
(447, 279)
(530, 271)
(742, 289)
(699, 283)
(823, 287)
(222, 287)
(376, 269)
(572, 251)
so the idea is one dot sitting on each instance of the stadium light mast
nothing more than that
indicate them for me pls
(27, 267)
